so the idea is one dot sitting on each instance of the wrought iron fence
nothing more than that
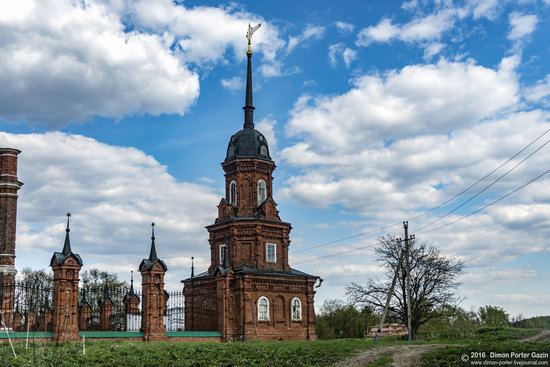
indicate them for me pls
(174, 320)
(119, 309)
(25, 306)
(109, 308)
(29, 306)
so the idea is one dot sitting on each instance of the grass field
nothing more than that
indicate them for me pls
(136, 354)
(269, 354)
(487, 340)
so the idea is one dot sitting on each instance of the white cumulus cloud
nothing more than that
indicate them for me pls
(340, 51)
(344, 27)
(309, 32)
(64, 61)
(205, 33)
(234, 83)
(420, 29)
(521, 25)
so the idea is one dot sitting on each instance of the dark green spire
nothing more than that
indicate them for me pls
(67, 246)
(153, 254)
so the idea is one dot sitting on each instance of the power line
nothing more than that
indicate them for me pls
(485, 188)
(335, 254)
(431, 230)
(347, 238)
(488, 205)
(481, 179)
(432, 209)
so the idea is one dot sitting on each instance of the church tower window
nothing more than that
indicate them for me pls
(233, 193)
(223, 252)
(296, 307)
(271, 252)
(262, 191)
(263, 309)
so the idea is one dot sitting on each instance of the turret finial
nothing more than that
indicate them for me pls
(248, 104)
(249, 34)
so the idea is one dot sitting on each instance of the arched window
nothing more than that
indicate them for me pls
(262, 191)
(263, 309)
(296, 307)
(233, 193)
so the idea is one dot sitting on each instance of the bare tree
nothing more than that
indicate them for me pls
(434, 279)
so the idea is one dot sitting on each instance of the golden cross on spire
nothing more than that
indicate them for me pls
(249, 34)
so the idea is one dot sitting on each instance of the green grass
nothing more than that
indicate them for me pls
(136, 354)
(319, 353)
(498, 339)
(383, 361)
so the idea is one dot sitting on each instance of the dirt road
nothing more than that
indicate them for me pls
(403, 355)
(543, 336)
(411, 355)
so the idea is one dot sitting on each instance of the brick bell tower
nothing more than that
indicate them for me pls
(9, 186)
(257, 294)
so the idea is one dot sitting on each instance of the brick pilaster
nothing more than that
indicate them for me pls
(9, 186)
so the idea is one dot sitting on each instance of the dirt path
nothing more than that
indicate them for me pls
(543, 336)
(403, 355)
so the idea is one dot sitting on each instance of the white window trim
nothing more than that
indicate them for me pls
(267, 252)
(220, 252)
(292, 309)
(267, 310)
(233, 202)
(260, 201)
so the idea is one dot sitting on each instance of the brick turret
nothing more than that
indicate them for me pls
(153, 296)
(65, 266)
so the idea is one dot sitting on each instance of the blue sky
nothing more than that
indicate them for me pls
(374, 111)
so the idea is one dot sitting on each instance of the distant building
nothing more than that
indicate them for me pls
(250, 291)
(388, 330)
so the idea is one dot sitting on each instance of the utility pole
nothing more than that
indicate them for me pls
(404, 255)
(394, 280)
(408, 278)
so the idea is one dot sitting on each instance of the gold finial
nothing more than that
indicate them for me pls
(249, 34)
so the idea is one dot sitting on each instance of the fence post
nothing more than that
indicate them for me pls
(131, 307)
(153, 297)
(66, 267)
(105, 310)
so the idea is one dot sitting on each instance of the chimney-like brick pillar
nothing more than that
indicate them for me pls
(105, 313)
(17, 321)
(45, 320)
(131, 305)
(9, 185)
(65, 300)
(153, 303)
(85, 312)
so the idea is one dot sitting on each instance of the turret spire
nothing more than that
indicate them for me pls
(67, 245)
(248, 104)
(153, 254)
(192, 266)
(131, 282)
